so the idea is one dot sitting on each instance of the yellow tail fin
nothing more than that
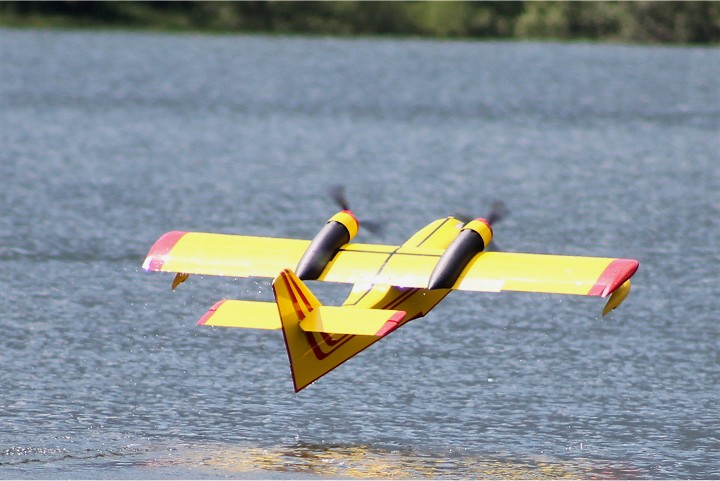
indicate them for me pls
(313, 348)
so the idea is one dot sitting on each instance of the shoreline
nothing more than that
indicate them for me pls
(129, 29)
(644, 23)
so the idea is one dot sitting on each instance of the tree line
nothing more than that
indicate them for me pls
(693, 22)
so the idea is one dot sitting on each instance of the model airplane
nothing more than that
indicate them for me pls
(392, 284)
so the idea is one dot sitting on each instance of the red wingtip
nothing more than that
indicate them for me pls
(162, 247)
(614, 275)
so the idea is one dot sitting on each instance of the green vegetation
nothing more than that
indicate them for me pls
(643, 21)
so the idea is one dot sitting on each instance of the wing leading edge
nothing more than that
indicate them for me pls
(401, 266)
(223, 254)
(486, 272)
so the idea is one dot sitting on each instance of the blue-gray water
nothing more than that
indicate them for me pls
(111, 139)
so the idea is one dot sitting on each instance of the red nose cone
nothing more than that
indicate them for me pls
(485, 221)
(351, 214)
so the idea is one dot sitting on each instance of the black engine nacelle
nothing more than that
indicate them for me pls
(339, 230)
(472, 239)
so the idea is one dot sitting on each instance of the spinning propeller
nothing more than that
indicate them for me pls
(337, 192)
(498, 211)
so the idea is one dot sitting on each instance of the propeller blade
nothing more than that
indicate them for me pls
(337, 193)
(498, 211)
(374, 227)
(464, 218)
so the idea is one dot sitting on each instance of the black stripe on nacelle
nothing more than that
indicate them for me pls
(452, 262)
(321, 250)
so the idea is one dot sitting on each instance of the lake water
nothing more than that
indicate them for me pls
(111, 139)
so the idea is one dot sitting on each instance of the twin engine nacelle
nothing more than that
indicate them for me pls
(474, 237)
(339, 230)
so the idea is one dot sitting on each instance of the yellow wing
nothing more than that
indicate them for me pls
(246, 256)
(402, 266)
(223, 254)
(588, 276)
(486, 272)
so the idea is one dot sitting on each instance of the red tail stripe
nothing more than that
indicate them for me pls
(294, 290)
(300, 293)
(293, 297)
(328, 339)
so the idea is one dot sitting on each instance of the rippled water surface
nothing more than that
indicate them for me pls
(111, 139)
